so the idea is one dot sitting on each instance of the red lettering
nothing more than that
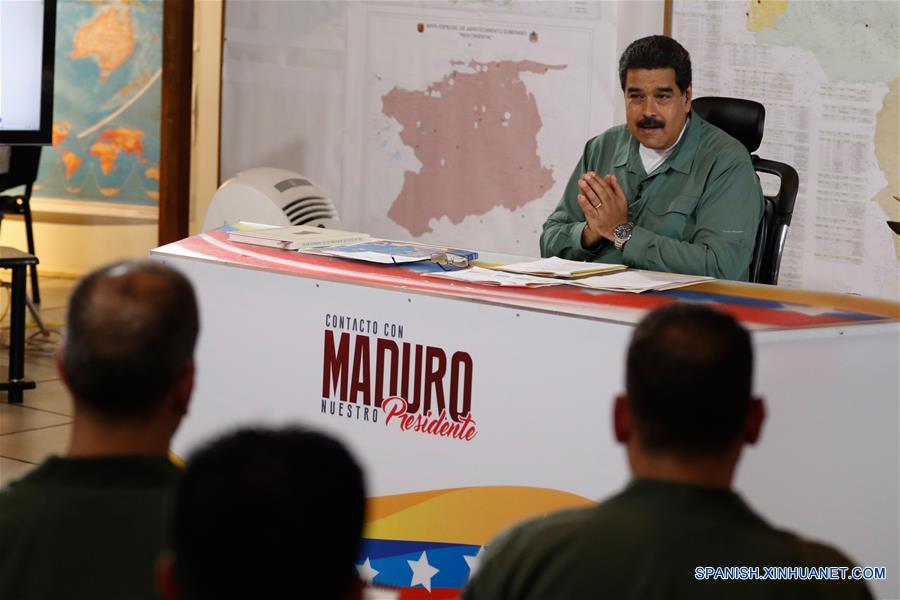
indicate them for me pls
(382, 348)
(361, 370)
(461, 361)
(433, 410)
(421, 420)
(439, 426)
(468, 430)
(394, 406)
(435, 367)
(404, 375)
(417, 391)
(435, 424)
(335, 365)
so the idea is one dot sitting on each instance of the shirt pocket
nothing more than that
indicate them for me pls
(671, 217)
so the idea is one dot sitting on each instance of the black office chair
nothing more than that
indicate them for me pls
(23, 170)
(744, 120)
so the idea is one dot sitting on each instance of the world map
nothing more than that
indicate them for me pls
(105, 143)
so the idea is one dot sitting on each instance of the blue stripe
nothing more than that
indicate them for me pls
(389, 558)
(688, 296)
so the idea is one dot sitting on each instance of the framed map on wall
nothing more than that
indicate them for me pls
(107, 104)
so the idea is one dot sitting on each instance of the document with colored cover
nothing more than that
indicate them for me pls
(394, 252)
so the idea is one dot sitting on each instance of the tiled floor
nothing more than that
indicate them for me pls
(40, 425)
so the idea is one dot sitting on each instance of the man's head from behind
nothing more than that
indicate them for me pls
(130, 337)
(688, 386)
(266, 514)
(655, 73)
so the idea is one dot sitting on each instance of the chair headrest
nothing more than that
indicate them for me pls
(741, 119)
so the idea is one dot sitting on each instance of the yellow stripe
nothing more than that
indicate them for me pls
(465, 515)
(177, 460)
(870, 306)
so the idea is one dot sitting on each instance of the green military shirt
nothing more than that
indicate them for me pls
(697, 213)
(647, 542)
(88, 528)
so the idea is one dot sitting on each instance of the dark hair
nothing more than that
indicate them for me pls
(261, 512)
(657, 52)
(688, 379)
(130, 332)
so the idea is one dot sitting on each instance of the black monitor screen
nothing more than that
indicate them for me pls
(27, 46)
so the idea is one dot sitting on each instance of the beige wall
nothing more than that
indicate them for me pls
(75, 237)
(208, 17)
(74, 243)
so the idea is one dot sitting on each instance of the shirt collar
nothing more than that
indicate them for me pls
(681, 159)
(624, 151)
(655, 158)
(667, 151)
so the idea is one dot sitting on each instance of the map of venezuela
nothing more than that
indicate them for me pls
(475, 134)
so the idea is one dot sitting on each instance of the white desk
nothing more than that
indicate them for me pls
(543, 366)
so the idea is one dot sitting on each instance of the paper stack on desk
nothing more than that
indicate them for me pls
(296, 237)
(560, 268)
(492, 277)
(636, 281)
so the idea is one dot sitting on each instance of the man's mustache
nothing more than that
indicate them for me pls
(651, 123)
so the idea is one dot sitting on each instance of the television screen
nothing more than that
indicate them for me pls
(27, 46)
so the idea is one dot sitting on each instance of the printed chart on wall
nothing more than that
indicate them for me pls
(106, 104)
(827, 73)
(463, 128)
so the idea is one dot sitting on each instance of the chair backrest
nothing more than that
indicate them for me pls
(744, 120)
(23, 167)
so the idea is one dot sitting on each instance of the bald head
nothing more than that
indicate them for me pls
(131, 331)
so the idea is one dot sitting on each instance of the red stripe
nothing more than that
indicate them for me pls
(419, 593)
(563, 298)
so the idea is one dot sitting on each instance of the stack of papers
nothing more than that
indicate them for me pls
(635, 281)
(560, 268)
(296, 237)
(491, 277)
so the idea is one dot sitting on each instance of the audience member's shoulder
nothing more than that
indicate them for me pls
(513, 557)
(811, 553)
(16, 499)
(547, 530)
(819, 554)
(563, 527)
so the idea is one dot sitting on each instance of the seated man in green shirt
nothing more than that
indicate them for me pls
(667, 191)
(89, 524)
(686, 414)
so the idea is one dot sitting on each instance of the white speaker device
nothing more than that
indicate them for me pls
(271, 196)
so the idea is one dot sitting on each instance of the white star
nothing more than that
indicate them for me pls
(422, 572)
(366, 572)
(810, 311)
(474, 561)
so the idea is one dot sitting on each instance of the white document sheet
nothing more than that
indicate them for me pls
(491, 277)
